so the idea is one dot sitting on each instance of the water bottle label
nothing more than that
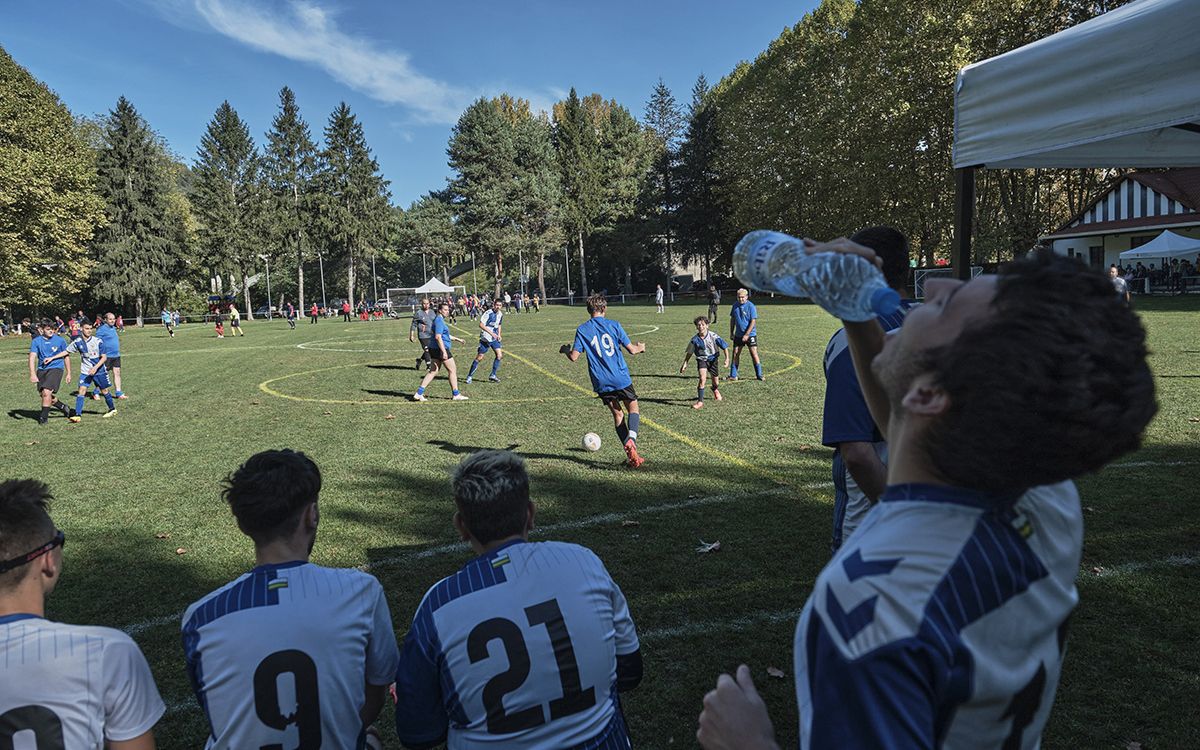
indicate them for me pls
(760, 255)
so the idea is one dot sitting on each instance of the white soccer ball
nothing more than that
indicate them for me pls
(591, 442)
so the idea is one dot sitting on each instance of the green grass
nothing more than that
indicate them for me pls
(196, 410)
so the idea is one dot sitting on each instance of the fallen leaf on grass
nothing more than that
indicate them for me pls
(327, 413)
(390, 416)
(33, 442)
(1190, 419)
(705, 547)
(163, 535)
(775, 672)
(1097, 570)
(804, 448)
(628, 522)
(692, 497)
(181, 551)
(255, 403)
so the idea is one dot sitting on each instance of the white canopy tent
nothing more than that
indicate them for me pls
(1119, 90)
(1166, 245)
(434, 286)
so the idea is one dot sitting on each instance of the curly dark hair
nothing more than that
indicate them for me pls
(267, 493)
(891, 246)
(1052, 385)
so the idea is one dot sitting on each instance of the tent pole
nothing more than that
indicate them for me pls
(964, 210)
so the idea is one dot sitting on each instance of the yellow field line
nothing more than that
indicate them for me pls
(690, 442)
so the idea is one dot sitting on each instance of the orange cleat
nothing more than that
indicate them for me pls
(631, 451)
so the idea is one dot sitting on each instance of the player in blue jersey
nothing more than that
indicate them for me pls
(528, 645)
(61, 686)
(168, 321)
(705, 345)
(46, 369)
(942, 621)
(602, 340)
(490, 324)
(107, 331)
(290, 654)
(92, 358)
(743, 330)
(440, 355)
(859, 450)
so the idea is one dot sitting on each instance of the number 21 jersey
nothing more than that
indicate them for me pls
(517, 650)
(280, 655)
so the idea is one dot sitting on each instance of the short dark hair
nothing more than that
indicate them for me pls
(891, 246)
(699, 318)
(24, 524)
(45, 323)
(491, 490)
(596, 303)
(268, 492)
(1052, 385)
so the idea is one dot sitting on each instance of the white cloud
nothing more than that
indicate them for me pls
(305, 32)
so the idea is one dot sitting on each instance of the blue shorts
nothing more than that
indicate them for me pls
(100, 379)
(485, 345)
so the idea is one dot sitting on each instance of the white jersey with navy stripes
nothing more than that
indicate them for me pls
(281, 655)
(72, 686)
(941, 622)
(491, 320)
(518, 650)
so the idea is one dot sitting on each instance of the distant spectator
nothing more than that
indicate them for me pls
(1119, 284)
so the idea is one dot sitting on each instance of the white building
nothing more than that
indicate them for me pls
(1135, 210)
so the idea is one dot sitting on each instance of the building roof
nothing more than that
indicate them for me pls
(1181, 187)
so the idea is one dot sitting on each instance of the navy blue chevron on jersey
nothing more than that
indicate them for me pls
(492, 321)
(517, 650)
(322, 633)
(941, 622)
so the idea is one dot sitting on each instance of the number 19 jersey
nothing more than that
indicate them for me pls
(280, 655)
(518, 650)
(601, 340)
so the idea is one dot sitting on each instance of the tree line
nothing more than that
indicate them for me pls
(845, 120)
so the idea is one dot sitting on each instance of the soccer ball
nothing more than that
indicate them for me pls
(591, 442)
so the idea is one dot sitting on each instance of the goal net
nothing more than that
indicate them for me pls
(921, 275)
(407, 298)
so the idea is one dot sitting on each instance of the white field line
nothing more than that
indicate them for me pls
(1131, 568)
(1136, 464)
(597, 520)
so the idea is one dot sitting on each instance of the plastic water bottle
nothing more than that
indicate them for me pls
(850, 287)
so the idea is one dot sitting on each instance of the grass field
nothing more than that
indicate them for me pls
(138, 498)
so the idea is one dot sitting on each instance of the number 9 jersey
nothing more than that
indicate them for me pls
(280, 657)
(519, 650)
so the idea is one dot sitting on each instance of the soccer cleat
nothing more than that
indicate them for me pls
(42, 422)
(717, 395)
(469, 379)
(493, 378)
(760, 377)
(631, 451)
(459, 397)
(732, 377)
(698, 405)
(109, 413)
(419, 397)
(417, 366)
(75, 419)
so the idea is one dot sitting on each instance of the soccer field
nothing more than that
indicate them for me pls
(138, 497)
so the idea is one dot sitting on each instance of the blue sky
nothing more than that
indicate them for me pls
(407, 69)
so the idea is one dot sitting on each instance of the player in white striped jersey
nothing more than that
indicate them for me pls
(289, 653)
(490, 324)
(528, 646)
(942, 621)
(61, 686)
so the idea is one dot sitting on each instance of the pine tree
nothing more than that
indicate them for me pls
(228, 196)
(289, 161)
(353, 194)
(539, 191)
(136, 259)
(665, 122)
(578, 152)
(49, 208)
(700, 212)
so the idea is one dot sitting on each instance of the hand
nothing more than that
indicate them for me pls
(842, 245)
(46, 360)
(32, 377)
(91, 371)
(735, 717)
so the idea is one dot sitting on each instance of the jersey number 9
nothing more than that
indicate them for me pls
(307, 713)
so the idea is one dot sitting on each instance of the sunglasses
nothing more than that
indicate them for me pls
(59, 540)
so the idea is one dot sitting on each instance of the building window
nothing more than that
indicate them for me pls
(1096, 256)
(1139, 241)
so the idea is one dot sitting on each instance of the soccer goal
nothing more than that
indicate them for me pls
(920, 275)
(409, 297)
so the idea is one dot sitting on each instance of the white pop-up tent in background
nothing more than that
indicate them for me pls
(1119, 90)
(1166, 245)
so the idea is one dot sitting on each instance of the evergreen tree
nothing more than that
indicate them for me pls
(49, 207)
(665, 122)
(624, 160)
(353, 194)
(289, 161)
(539, 192)
(135, 257)
(578, 151)
(427, 229)
(228, 197)
(700, 212)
